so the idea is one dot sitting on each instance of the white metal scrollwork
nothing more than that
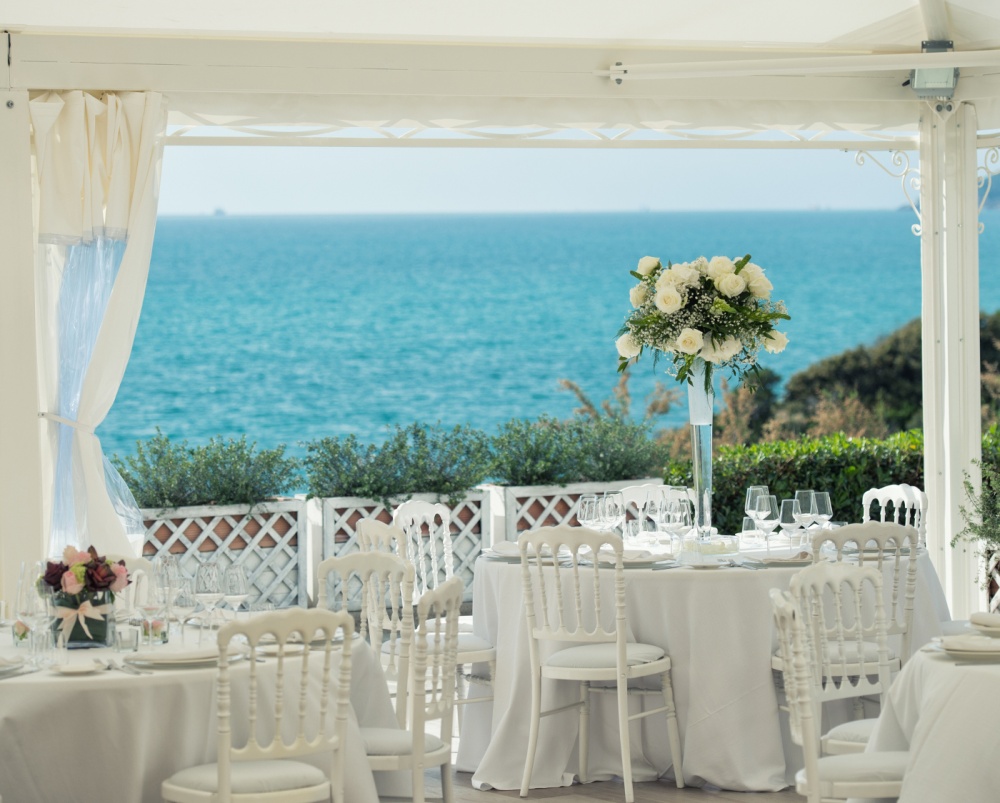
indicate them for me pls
(984, 178)
(909, 179)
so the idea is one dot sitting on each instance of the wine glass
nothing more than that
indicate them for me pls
(184, 602)
(676, 520)
(750, 535)
(153, 611)
(790, 518)
(208, 589)
(235, 586)
(822, 510)
(753, 493)
(588, 515)
(36, 609)
(807, 510)
(766, 514)
(613, 510)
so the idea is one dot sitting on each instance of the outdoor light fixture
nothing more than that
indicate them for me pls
(935, 83)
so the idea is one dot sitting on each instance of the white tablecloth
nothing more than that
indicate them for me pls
(947, 717)
(716, 626)
(112, 736)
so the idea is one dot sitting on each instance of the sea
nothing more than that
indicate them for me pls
(290, 329)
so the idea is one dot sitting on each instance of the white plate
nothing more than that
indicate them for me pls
(181, 659)
(708, 565)
(85, 668)
(992, 632)
(973, 655)
(503, 558)
(273, 649)
(9, 666)
(647, 563)
(774, 563)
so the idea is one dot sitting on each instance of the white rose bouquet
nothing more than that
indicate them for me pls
(716, 310)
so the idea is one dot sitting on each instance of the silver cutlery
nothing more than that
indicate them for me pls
(128, 668)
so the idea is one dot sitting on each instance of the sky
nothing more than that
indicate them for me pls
(344, 180)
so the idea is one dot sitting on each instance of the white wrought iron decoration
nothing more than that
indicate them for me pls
(984, 178)
(909, 179)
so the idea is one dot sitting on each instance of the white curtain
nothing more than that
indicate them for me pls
(97, 168)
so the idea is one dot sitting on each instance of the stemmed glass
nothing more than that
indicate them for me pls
(766, 514)
(184, 602)
(208, 589)
(612, 510)
(589, 514)
(235, 586)
(822, 510)
(753, 493)
(807, 507)
(153, 608)
(675, 518)
(790, 519)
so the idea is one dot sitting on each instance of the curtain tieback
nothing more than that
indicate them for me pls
(69, 423)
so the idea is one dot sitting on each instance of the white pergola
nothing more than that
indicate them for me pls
(564, 73)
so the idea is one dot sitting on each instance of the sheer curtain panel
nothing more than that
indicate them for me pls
(97, 168)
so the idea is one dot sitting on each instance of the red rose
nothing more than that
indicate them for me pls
(99, 576)
(53, 574)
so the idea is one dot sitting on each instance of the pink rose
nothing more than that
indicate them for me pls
(70, 583)
(121, 577)
(77, 557)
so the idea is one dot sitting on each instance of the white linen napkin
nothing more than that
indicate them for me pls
(971, 643)
(508, 549)
(985, 619)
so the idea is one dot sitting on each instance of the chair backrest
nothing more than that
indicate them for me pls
(799, 674)
(377, 536)
(908, 503)
(427, 527)
(886, 546)
(435, 660)
(563, 600)
(140, 575)
(383, 583)
(313, 650)
(844, 617)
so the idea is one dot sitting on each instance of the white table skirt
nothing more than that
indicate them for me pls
(717, 628)
(946, 716)
(113, 736)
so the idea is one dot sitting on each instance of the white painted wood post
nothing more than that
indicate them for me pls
(951, 361)
(23, 531)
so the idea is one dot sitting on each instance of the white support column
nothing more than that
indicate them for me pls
(22, 516)
(951, 361)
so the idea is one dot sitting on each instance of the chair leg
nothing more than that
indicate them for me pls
(584, 741)
(417, 773)
(447, 788)
(859, 708)
(461, 693)
(673, 732)
(536, 716)
(623, 738)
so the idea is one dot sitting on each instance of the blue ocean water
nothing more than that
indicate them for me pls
(294, 328)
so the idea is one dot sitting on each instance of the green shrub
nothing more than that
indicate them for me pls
(542, 452)
(224, 472)
(616, 449)
(846, 467)
(415, 459)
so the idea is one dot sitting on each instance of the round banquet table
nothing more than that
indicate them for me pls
(115, 736)
(716, 625)
(945, 712)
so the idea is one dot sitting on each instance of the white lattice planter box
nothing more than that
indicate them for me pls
(529, 506)
(269, 539)
(471, 527)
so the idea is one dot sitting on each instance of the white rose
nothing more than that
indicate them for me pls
(628, 346)
(776, 342)
(700, 264)
(708, 352)
(638, 295)
(690, 341)
(730, 284)
(647, 265)
(668, 300)
(717, 266)
(751, 272)
(760, 286)
(685, 275)
(666, 279)
(729, 348)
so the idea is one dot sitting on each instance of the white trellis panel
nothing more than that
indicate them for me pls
(527, 507)
(470, 525)
(993, 582)
(269, 540)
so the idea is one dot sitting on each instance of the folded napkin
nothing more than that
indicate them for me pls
(627, 555)
(168, 656)
(971, 643)
(985, 619)
(796, 558)
(7, 663)
(509, 549)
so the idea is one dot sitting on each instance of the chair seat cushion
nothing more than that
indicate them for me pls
(252, 777)
(859, 768)
(395, 742)
(857, 731)
(603, 656)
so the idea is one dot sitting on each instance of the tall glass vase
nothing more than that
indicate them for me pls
(701, 403)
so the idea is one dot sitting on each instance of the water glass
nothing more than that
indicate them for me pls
(208, 588)
(791, 519)
(807, 507)
(127, 638)
(753, 493)
(766, 514)
(588, 515)
(750, 535)
(612, 510)
(235, 586)
(822, 510)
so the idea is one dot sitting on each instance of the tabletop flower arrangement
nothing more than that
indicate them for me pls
(717, 310)
(83, 586)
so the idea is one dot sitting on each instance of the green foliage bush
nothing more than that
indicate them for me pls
(846, 467)
(414, 459)
(542, 452)
(613, 449)
(224, 472)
